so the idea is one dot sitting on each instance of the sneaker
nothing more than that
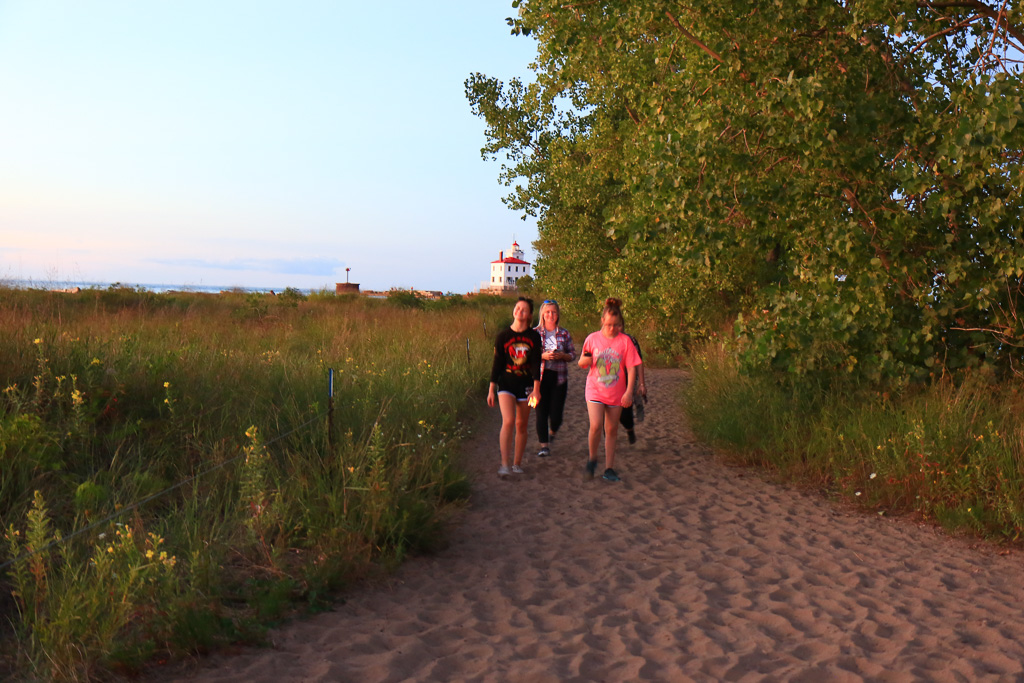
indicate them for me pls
(591, 468)
(503, 472)
(632, 435)
(609, 475)
(543, 452)
(516, 469)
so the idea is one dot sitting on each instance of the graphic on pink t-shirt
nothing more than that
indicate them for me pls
(607, 379)
(608, 364)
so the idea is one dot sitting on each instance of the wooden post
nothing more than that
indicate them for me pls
(330, 409)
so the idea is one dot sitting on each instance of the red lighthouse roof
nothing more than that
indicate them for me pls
(515, 261)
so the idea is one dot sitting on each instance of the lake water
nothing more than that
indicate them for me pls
(149, 287)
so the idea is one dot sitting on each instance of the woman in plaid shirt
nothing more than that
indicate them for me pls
(557, 350)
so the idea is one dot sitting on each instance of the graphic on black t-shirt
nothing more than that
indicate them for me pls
(516, 355)
(519, 352)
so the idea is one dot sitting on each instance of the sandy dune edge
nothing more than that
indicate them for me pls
(687, 570)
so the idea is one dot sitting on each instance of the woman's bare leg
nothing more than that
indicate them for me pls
(522, 421)
(596, 413)
(611, 432)
(507, 403)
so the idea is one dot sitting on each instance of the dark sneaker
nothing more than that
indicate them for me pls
(591, 468)
(543, 452)
(632, 435)
(609, 475)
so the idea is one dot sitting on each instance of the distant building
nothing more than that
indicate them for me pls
(507, 270)
(346, 287)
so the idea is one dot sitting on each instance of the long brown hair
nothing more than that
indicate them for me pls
(613, 307)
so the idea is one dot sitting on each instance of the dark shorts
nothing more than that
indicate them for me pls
(511, 385)
(606, 405)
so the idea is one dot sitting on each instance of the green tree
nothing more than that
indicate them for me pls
(525, 285)
(841, 179)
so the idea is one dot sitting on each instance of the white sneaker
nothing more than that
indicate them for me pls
(516, 469)
(502, 471)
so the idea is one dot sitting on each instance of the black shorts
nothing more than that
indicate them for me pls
(606, 405)
(520, 388)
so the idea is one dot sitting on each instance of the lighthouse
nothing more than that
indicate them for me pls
(507, 270)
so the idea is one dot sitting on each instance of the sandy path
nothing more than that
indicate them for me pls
(687, 570)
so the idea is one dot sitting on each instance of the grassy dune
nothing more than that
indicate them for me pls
(175, 476)
(951, 452)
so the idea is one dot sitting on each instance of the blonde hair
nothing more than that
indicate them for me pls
(558, 311)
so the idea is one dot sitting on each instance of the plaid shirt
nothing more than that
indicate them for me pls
(564, 344)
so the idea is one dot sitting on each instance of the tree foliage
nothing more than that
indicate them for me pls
(841, 179)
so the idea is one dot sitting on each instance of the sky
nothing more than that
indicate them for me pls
(259, 144)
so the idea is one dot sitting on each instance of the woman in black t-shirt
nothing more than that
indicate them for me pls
(515, 383)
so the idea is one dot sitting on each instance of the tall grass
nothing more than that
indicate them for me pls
(951, 452)
(174, 475)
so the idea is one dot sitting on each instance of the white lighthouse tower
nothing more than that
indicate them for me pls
(507, 270)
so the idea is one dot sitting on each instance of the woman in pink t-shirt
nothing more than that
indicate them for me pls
(611, 359)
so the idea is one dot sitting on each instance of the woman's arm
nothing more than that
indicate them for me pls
(627, 398)
(534, 398)
(535, 356)
(587, 359)
(498, 365)
(570, 348)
